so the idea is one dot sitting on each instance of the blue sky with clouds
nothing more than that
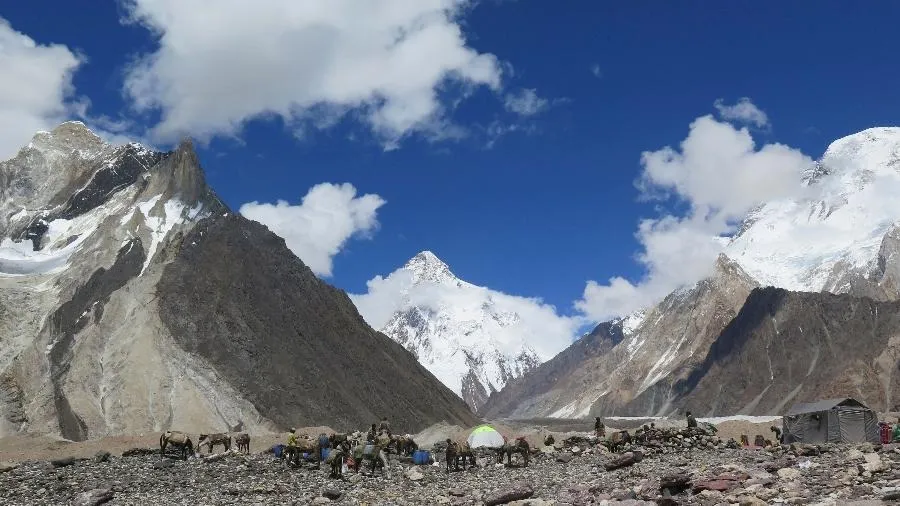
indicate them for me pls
(505, 136)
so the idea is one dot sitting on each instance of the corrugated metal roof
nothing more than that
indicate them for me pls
(823, 405)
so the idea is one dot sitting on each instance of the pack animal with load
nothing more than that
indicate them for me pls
(176, 439)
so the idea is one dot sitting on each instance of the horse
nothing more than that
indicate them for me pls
(212, 440)
(178, 440)
(521, 446)
(242, 441)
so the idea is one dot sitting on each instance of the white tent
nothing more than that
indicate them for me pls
(485, 436)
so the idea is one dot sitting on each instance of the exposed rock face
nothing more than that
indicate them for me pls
(634, 377)
(104, 327)
(786, 347)
(296, 346)
(526, 394)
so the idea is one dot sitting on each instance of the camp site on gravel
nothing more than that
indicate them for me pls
(449, 252)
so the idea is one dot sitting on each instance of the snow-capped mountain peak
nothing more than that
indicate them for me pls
(427, 267)
(459, 331)
(834, 229)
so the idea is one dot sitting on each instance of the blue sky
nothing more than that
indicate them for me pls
(544, 208)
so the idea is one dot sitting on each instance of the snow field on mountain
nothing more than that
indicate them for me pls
(841, 216)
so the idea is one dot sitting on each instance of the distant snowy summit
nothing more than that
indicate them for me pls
(464, 334)
(833, 235)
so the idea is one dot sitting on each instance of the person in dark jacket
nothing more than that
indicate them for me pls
(691, 421)
(599, 428)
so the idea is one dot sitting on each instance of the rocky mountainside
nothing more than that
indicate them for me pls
(459, 331)
(786, 347)
(630, 369)
(133, 300)
(839, 236)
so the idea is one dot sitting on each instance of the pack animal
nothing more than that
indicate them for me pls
(372, 452)
(404, 445)
(520, 446)
(459, 451)
(306, 445)
(618, 440)
(176, 439)
(243, 442)
(211, 440)
(336, 458)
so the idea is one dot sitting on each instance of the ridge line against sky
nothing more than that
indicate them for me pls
(420, 81)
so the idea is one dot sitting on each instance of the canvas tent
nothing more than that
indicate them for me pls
(842, 420)
(485, 436)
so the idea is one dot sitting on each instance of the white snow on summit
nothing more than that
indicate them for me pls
(472, 338)
(841, 217)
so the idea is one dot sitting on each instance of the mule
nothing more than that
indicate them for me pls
(242, 441)
(211, 440)
(521, 447)
(456, 451)
(178, 440)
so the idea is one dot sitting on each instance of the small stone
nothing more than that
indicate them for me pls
(94, 497)
(101, 456)
(414, 474)
(789, 473)
(332, 494)
(68, 461)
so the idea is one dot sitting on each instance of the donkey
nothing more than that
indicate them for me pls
(178, 440)
(211, 440)
(242, 441)
(521, 447)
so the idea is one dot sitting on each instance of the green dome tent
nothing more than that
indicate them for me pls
(485, 436)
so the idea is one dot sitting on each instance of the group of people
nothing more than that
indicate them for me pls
(600, 429)
(348, 451)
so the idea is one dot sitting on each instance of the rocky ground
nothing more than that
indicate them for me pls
(679, 470)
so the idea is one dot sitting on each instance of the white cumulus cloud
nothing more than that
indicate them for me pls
(721, 175)
(388, 62)
(35, 87)
(319, 227)
(743, 111)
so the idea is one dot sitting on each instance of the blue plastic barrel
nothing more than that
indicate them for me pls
(278, 450)
(421, 457)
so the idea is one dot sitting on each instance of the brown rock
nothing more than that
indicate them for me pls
(516, 492)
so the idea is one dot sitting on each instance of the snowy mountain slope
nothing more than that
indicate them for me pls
(835, 230)
(467, 336)
(133, 300)
(839, 235)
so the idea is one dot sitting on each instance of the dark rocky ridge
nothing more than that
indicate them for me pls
(597, 343)
(815, 345)
(293, 345)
